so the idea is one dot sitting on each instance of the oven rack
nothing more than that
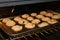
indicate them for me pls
(44, 33)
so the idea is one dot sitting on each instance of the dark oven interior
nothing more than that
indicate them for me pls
(37, 7)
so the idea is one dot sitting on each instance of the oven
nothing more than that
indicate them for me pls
(49, 32)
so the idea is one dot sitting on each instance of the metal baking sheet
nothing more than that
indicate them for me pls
(24, 31)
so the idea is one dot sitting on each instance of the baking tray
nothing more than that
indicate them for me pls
(24, 31)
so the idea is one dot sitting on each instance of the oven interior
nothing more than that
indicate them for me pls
(37, 7)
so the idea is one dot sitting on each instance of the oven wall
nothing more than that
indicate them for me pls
(19, 9)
